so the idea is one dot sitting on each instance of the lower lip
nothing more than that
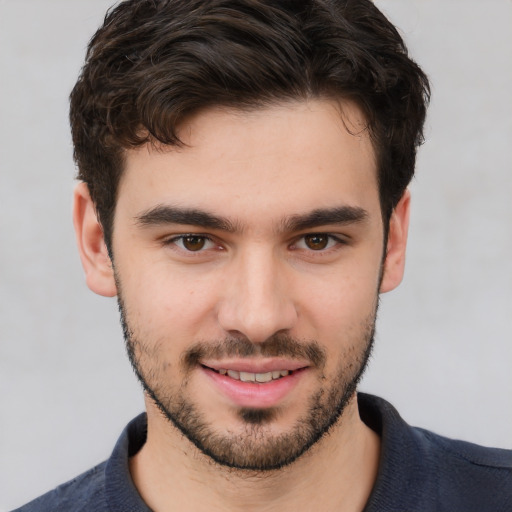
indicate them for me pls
(255, 395)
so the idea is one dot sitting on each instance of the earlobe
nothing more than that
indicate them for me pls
(394, 263)
(99, 273)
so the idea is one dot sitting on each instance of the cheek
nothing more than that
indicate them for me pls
(167, 302)
(341, 301)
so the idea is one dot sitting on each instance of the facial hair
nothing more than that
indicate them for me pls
(255, 447)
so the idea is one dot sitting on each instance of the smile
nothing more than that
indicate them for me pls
(254, 377)
(252, 386)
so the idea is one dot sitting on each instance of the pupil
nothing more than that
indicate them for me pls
(193, 243)
(317, 242)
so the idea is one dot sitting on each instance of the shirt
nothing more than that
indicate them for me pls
(419, 471)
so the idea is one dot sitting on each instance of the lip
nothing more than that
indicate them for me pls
(256, 366)
(251, 394)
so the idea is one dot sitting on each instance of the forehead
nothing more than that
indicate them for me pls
(281, 158)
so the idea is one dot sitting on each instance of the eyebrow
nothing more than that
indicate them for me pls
(167, 214)
(164, 214)
(325, 216)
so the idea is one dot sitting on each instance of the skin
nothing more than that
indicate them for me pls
(264, 276)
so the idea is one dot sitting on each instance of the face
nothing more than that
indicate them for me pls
(247, 266)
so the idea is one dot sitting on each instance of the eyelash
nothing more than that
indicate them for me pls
(332, 242)
(175, 240)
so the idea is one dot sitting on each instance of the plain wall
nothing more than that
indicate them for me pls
(443, 354)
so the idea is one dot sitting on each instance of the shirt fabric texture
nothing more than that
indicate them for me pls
(419, 471)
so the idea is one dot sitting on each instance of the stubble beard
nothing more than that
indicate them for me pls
(255, 447)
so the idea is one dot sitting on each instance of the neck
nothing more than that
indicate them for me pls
(337, 473)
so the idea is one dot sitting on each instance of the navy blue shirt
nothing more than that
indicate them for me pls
(419, 472)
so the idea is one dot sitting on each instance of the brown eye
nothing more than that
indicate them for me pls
(193, 243)
(316, 242)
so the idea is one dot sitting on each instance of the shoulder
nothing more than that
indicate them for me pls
(425, 472)
(105, 487)
(467, 476)
(86, 492)
(475, 455)
(451, 454)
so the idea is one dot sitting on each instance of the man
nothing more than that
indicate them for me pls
(244, 169)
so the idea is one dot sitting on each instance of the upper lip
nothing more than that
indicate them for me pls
(256, 365)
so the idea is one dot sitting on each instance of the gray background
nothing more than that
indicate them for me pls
(444, 351)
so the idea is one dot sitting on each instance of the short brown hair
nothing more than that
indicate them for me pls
(154, 62)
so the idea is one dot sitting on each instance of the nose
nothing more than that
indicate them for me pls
(257, 300)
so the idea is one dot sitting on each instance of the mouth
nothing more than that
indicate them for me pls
(260, 378)
(257, 385)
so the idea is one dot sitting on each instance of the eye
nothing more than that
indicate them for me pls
(317, 242)
(192, 243)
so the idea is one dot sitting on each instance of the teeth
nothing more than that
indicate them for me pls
(234, 374)
(255, 377)
(247, 377)
(263, 377)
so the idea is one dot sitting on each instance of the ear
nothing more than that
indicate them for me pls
(99, 273)
(394, 263)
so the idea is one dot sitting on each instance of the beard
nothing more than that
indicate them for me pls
(254, 447)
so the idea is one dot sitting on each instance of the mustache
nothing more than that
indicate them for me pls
(278, 345)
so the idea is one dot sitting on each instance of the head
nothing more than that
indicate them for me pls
(153, 64)
(246, 164)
